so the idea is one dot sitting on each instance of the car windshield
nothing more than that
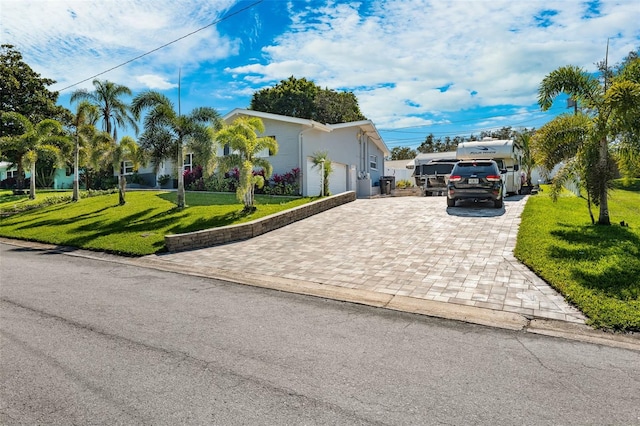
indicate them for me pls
(476, 168)
(440, 169)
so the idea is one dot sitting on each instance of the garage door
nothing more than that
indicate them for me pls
(337, 179)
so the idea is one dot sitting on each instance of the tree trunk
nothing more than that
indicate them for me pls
(603, 218)
(122, 184)
(20, 178)
(180, 200)
(32, 187)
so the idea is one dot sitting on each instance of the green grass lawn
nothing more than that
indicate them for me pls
(137, 228)
(597, 268)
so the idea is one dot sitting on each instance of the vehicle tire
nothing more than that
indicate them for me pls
(451, 202)
(427, 194)
(497, 203)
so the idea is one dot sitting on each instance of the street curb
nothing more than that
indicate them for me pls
(469, 314)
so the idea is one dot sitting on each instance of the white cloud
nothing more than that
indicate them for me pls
(153, 81)
(70, 40)
(498, 49)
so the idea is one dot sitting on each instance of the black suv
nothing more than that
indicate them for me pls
(475, 180)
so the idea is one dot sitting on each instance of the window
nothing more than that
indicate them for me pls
(126, 168)
(68, 171)
(188, 162)
(12, 173)
(226, 150)
(373, 162)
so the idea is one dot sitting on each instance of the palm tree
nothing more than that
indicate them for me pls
(322, 162)
(45, 136)
(83, 128)
(126, 150)
(166, 131)
(523, 139)
(244, 144)
(584, 141)
(113, 111)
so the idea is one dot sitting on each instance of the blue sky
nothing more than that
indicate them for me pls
(417, 66)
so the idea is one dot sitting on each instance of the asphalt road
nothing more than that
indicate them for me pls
(93, 342)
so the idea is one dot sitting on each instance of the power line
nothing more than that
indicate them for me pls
(224, 18)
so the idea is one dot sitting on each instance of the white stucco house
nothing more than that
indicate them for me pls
(355, 149)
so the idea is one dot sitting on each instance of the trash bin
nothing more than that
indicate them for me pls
(387, 183)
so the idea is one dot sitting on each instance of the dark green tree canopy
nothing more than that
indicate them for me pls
(25, 92)
(302, 98)
(403, 153)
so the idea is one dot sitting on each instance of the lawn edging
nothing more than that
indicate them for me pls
(244, 231)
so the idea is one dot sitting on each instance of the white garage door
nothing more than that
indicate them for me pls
(337, 179)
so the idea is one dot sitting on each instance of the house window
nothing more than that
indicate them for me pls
(373, 162)
(12, 174)
(188, 162)
(126, 168)
(68, 171)
(226, 150)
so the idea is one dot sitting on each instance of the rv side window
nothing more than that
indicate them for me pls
(500, 164)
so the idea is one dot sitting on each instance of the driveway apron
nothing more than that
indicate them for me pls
(408, 246)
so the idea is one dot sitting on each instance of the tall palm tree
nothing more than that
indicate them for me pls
(126, 150)
(589, 135)
(82, 123)
(107, 97)
(166, 131)
(242, 138)
(45, 136)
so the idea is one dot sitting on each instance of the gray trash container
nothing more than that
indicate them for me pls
(387, 183)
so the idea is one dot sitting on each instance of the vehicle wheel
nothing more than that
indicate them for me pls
(497, 203)
(427, 194)
(451, 202)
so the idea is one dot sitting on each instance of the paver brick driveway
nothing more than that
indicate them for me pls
(410, 246)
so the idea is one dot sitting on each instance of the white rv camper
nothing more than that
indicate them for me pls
(506, 153)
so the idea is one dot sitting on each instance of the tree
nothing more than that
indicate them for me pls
(586, 140)
(523, 139)
(126, 150)
(25, 92)
(45, 136)
(166, 131)
(402, 153)
(304, 99)
(242, 138)
(322, 162)
(82, 124)
(113, 111)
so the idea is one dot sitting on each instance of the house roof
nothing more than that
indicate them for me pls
(267, 115)
(366, 126)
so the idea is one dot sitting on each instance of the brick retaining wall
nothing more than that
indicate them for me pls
(243, 231)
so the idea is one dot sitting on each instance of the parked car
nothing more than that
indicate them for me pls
(476, 180)
(433, 176)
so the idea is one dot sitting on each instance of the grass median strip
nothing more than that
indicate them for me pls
(597, 268)
(137, 228)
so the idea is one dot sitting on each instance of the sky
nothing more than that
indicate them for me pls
(416, 66)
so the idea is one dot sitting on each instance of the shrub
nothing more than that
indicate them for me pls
(401, 184)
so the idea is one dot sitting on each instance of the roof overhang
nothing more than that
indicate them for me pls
(230, 116)
(367, 128)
